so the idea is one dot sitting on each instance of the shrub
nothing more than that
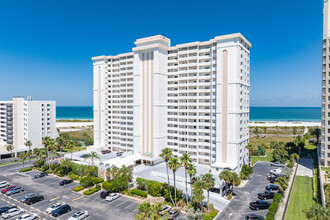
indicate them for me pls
(211, 207)
(272, 211)
(97, 180)
(213, 214)
(144, 184)
(48, 171)
(86, 182)
(25, 169)
(39, 163)
(277, 197)
(78, 188)
(45, 167)
(73, 176)
(156, 189)
(139, 193)
(290, 165)
(98, 186)
(106, 185)
(210, 216)
(91, 191)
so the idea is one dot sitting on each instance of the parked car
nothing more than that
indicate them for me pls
(269, 176)
(259, 204)
(34, 199)
(173, 214)
(104, 194)
(61, 210)
(112, 197)
(106, 151)
(31, 216)
(273, 179)
(7, 189)
(266, 195)
(79, 215)
(271, 187)
(54, 206)
(4, 184)
(64, 182)
(6, 208)
(119, 154)
(22, 200)
(254, 217)
(39, 175)
(166, 208)
(84, 155)
(12, 212)
(276, 171)
(277, 164)
(14, 190)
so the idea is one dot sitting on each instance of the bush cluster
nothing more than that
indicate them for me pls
(25, 169)
(277, 197)
(91, 191)
(139, 193)
(210, 216)
(86, 181)
(78, 188)
(272, 211)
(39, 163)
(73, 176)
(97, 180)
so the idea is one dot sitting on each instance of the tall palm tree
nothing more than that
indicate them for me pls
(47, 141)
(22, 156)
(209, 183)
(156, 210)
(66, 163)
(174, 165)
(60, 142)
(185, 161)
(166, 155)
(10, 148)
(191, 170)
(198, 191)
(225, 175)
(93, 155)
(29, 145)
(70, 144)
(294, 157)
(144, 211)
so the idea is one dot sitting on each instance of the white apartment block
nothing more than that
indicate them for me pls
(22, 120)
(324, 150)
(190, 97)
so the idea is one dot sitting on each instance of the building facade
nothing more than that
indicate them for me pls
(324, 150)
(26, 120)
(192, 98)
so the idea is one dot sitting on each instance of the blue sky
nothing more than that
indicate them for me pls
(46, 46)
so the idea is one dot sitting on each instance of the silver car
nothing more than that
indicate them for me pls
(15, 190)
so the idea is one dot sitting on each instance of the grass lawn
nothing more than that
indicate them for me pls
(268, 157)
(325, 169)
(80, 134)
(258, 141)
(309, 146)
(75, 149)
(301, 198)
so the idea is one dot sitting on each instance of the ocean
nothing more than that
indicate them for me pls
(256, 113)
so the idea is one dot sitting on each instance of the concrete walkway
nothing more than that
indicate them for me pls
(305, 167)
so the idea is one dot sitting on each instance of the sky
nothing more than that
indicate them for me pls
(46, 45)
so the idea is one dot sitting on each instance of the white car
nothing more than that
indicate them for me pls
(277, 164)
(166, 208)
(31, 216)
(112, 197)
(12, 212)
(54, 206)
(79, 215)
(276, 171)
(3, 184)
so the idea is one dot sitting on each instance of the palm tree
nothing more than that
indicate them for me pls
(66, 163)
(93, 155)
(166, 155)
(156, 210)
(144, 211)
(60, 142)
(29, 144)
(234, 178)
(198, 191)
(70, 145)
(185, 161)
(225, 175)
(191, 170)
(10, 148)
(174, 165)
(22, 156)
(209, 183)
(36, 152)
(29, 155)
(47, 141)
(294, 157)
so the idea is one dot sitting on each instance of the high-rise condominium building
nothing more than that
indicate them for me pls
(26, 120)
(192, 98)
(324, 151)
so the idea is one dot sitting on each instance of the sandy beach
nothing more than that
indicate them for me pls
(286, 123)
(72, 126)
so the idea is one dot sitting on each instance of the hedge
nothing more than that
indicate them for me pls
(139, 193)
(97, 180)
(210, 216)
(91, 191)
(25, 169)
(272, 211)
(277, 197)
(86, 182)
(78, 188)
(73, 176)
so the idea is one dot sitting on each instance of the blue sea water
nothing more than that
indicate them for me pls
(256, 113)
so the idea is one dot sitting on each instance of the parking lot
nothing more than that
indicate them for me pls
(49, 188)
(238, 208)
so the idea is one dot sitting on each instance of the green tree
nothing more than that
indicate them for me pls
(156, 210)
(191, 171)
(93, 155)
(294, 157)
(185, 161)
(60, 143)
(209, 183)
(234, 180)
(22, 156)
(318, 212)
(47, 142)
(315, 132)
(198, 191)
(70, 144)
(10, 149)
(225, 175)
(66, 164)
(166, 155)
(29, 145)
(174, 165)
(144, 211)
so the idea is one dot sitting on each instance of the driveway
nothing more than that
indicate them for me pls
(238, 208)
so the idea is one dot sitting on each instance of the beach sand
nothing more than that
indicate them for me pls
(286, 124)
(72, 126)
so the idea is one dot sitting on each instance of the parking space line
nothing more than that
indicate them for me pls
(77, 198)
(122, 202)
(54, 199)
(133, 203)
